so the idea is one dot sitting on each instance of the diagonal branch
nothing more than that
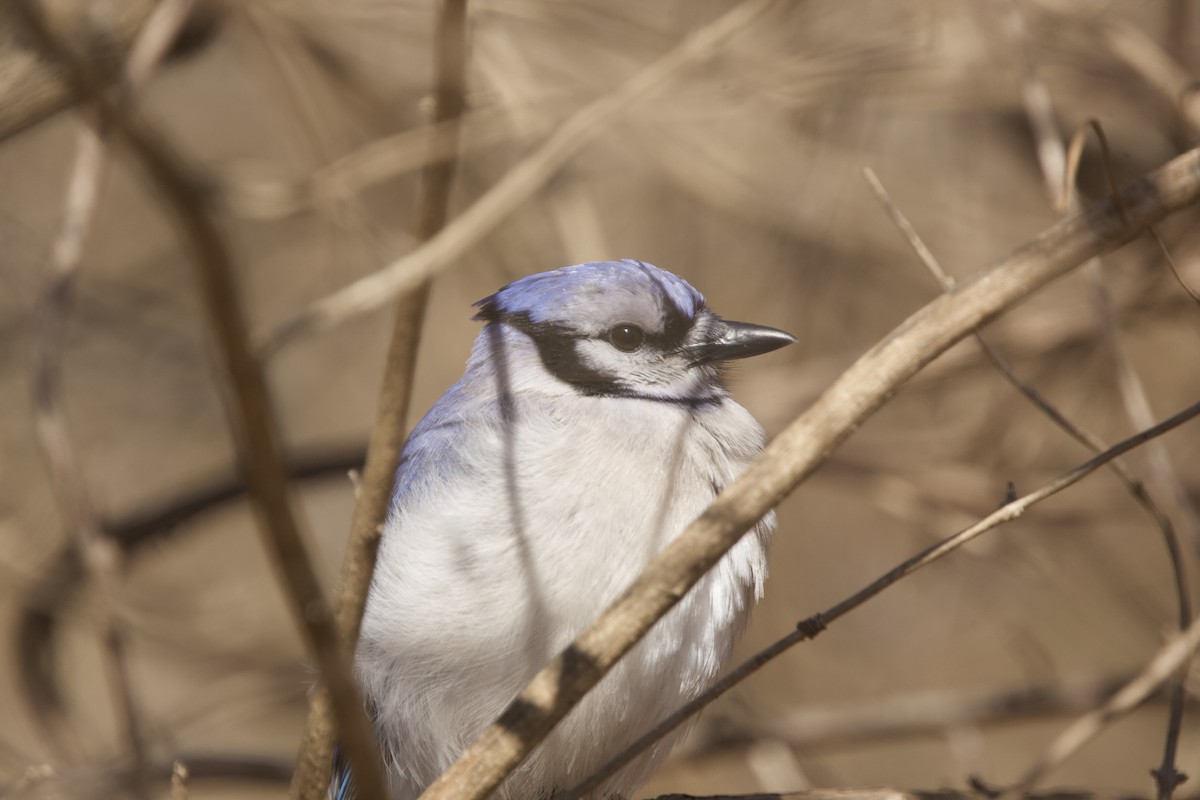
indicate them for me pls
(814, 625)
(1165, 665)
(387, 436)
(517, 187)
(796, 453)
(96, 551)
(1058, 169)
(249, 404)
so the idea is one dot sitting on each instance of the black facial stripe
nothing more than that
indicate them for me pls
(556, 348)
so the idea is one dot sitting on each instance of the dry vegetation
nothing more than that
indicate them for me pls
(723, 141)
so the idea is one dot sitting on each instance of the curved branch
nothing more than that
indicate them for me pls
(796, 453)
(36, 626)
(252, 418)
(33, 88)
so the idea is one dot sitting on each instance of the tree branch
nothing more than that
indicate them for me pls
(795, 453)
(387, 436)
(518, 185)
(248, 405)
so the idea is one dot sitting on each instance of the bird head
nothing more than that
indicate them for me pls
(626, 329)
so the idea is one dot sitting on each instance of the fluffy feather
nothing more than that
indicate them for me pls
(528, 498)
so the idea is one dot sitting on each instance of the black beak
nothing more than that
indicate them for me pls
(740, 340)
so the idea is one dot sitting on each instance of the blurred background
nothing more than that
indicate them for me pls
(305, 121)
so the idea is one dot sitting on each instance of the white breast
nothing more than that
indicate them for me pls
(508, 539)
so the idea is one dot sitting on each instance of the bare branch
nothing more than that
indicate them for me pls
(46, 598)
(387, 436)
(518, 185)
(1174, 85)
(250, 408)
(32, 87)
(905, 794)
(1165, 665)
(933, 712)
(795, 453)
(1059, 167)
(179, 779)
(97, 553)
(814, 625)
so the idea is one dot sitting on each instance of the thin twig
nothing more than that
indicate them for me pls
(33, 89)
(901, 794)
(45, 599)
(794, 454)
(179, 779)
(53, 435)
(1175, 86)
(1165, 665)
(1137, 406)
(814, 625)
(249, 404)
(375, 162)
(931, 712)
(387, 435)
(98, 555)
(1058, 169)
(1136, 487)
(515, 188)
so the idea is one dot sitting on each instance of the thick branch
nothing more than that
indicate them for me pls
(249, 403)
(387, 436)
(32, 86)
(516, 188)
(795, 453)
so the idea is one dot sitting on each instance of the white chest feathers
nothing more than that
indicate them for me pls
(515, 525)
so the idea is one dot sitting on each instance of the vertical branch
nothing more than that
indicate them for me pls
(1166, 665)
(1058, 172)
(518, 185)
(387, 436)
(248, 405)
(98, 554)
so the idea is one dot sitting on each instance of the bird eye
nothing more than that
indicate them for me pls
(626, 337)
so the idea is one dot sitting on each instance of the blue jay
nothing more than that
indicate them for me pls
(591, 426)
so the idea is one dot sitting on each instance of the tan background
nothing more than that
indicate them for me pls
(743, 176)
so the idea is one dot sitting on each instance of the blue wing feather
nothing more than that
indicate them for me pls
(341, 786)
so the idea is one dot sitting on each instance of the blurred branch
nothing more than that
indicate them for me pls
(37, 622)
(901, 794)
(1136, 487)
(1166, 664)
(373, 163)
(96, 552)
(179, 779)
(32, 87)
(94, 781)
(1059, 165)
(387, 435)
(515, 188)
(253, 421)
(1162, 73)
(796, 452)
(814, 625)
(1137, 406)
(931, 712)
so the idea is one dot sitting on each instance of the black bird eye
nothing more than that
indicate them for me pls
(626, 337)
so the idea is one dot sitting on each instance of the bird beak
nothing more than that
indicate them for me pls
(741, 340)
